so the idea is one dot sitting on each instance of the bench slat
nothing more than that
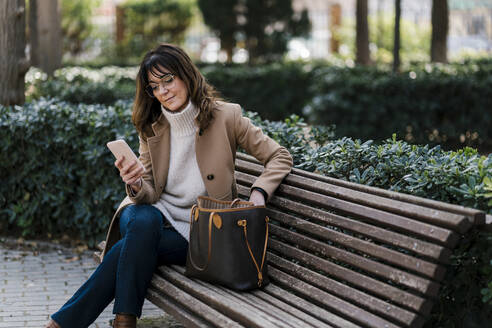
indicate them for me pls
(378, 217)
(290, 309)
(375, 287)
(352, 295)
(290, 299)
(189, 319)
(375, 216)
(260, 305)
(310, 308)
(213, 317)
(393, 257)
(447, 220)
(423, 248)
(225, 304)
(436, 217)
(475, 216)
(384, 271)
(329, 301)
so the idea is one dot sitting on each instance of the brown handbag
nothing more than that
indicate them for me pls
(228, 242)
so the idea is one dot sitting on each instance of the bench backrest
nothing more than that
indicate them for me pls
(370, 256)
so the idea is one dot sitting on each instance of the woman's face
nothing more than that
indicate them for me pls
(171, 92)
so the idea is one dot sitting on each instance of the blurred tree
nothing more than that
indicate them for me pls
(265, 27)
(380, 24)
(335, 23)
(76, 23)
(414, 39)
(440, 22)
(221, 17)
(120, 24)
(13, 63)
(268, 26)
(396, 46)
(45, 35)
(362, 33)
(414, 45)
(147, 22)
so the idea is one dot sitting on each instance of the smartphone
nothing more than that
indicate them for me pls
(120, 148)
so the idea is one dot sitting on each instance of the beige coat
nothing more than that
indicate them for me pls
(215, 154)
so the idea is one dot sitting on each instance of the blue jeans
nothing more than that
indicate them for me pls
(126, 270)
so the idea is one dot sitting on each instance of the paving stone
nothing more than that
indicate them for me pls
(33, 285)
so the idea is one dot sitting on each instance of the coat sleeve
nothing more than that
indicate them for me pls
(147, 194)
(275, 158)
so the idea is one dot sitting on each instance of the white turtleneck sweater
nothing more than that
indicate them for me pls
(184, 181)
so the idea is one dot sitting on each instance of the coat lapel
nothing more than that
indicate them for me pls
(215, 166)
(159, 147)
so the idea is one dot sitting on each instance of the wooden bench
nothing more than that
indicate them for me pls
(340, 254)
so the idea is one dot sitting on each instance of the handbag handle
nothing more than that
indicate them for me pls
(193, 213)
(196, 267)
(235, 201)
(243, 223)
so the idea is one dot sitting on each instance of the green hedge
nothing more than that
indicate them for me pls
(266, 89)
(61, 129)
(59, 178)
(275, 90)
(426, 104)
(448, 105)
(83, 85)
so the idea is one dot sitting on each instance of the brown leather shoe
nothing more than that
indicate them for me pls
(52, 324)
(122, 320)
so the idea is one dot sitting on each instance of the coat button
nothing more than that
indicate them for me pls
(210, 177)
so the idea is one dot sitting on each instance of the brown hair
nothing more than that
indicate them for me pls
(146, 109)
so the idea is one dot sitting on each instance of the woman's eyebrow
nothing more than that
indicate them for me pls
(158, 76)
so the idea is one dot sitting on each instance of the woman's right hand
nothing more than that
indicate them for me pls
(130, 173)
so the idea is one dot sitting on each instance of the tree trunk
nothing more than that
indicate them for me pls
(46, 40)
(396, 45)
(335, 23)
(13, 63)
(380, 17)
(362, 33)
(252, 46)
(227, 44)
(440, 23)
(120, 24)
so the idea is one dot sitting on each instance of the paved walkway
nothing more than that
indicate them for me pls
(37, 278)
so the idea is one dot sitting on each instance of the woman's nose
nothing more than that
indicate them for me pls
(162, 89)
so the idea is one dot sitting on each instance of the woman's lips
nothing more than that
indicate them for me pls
(169, 99)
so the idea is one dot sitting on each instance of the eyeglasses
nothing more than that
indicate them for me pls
(166, 81)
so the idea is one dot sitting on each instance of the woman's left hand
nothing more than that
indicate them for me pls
(257, 198)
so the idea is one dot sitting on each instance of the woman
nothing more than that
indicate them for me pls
(188, 140)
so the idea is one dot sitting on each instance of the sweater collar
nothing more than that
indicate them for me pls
(183, 122)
